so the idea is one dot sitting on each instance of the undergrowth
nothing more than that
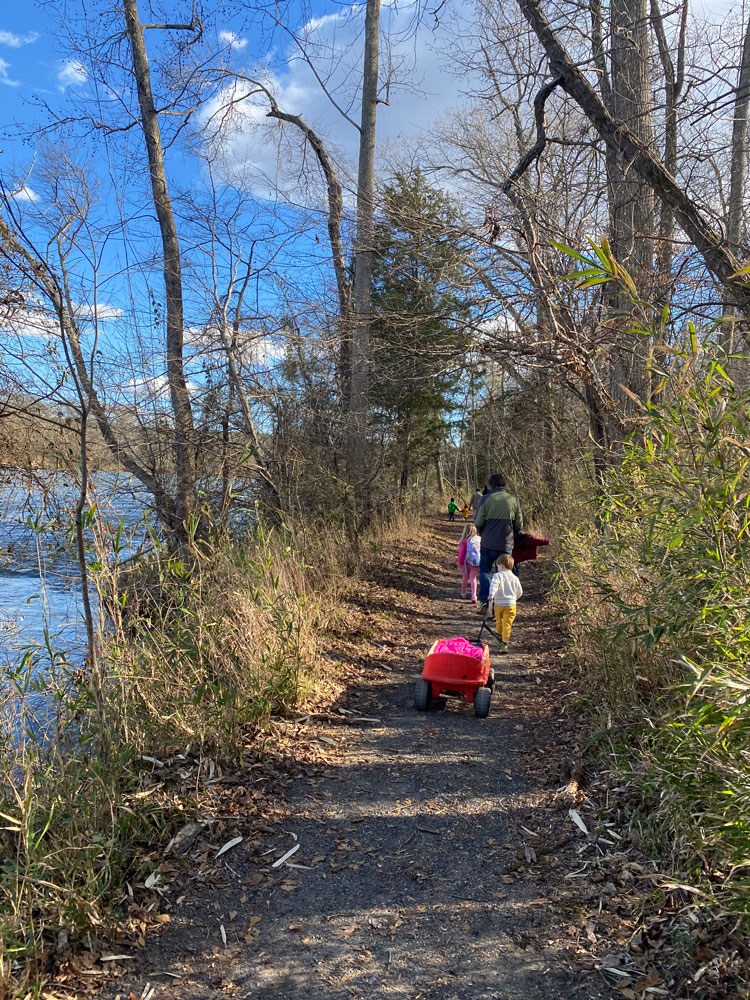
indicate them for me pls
(656, 591)
(194, 657)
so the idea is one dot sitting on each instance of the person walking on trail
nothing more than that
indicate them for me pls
(498, 521)
(476, 500)
(452, 508)
(465, 512)
(505, 589)
(468, 561)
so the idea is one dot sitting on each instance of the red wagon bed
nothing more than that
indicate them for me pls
(456, 674)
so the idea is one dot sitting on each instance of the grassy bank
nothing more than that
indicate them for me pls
(656, 599)
(102, 765)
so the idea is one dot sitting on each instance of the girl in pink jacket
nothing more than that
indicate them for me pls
(468, 560)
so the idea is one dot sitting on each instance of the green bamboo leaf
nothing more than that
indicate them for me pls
(572, 253)
(594, 281)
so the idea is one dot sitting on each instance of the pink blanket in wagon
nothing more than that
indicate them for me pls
(459, 645)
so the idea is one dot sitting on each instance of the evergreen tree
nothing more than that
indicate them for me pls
(418, 333)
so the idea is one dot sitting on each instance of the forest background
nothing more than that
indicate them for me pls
(234, 270)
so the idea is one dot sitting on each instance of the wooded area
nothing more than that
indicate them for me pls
(245, 303)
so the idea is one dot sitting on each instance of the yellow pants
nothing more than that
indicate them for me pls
(504, 618)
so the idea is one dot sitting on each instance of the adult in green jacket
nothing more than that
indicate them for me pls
(498, 521)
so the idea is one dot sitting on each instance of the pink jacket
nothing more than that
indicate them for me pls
(462, 552)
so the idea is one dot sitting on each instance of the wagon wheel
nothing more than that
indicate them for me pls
(482, 703)
(422, 695)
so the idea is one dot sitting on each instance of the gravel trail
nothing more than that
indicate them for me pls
(431, 855)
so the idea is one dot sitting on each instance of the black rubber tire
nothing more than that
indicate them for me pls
(482, 700)
(422, 695)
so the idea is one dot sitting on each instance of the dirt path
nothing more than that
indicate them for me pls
(416, 877)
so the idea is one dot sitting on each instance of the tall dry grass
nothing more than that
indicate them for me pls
(195, 657)
(657, 600)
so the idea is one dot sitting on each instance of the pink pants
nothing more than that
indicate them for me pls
(471, 573)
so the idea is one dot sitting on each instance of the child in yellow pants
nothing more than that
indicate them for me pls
(505, 589)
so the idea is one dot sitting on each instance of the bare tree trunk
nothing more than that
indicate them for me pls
(633, 199)
(674, 79)
(335, 214)
(405, 459)
(439, 475)
(178, 390)
(733, 333)
(360, 357)
(598, 434)
(226, 482)
(739, 148)
(605, 89)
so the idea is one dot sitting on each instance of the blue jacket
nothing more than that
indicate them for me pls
(498, 521)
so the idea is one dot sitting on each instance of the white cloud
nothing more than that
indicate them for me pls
(34, 323)
(154, 388)
(15, 41)
(265, 352)
(255, 347)
(229, 38)
(104, 312)
(25, 193)
(4, 77)
(269, 156)
(71, 74)
(502, 323)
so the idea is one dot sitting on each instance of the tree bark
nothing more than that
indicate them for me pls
(185, 473)
(632, 208)
(335, 214)
(405, 436)
(733, 334)
(638, 157)
(360, 358)
(674, 79)
(739, 149)
(439, 475)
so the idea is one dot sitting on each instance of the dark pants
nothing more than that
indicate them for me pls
(487, 558)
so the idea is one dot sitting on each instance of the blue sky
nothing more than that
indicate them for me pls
(37, 65)
(268, 162)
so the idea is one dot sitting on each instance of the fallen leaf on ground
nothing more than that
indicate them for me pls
(285, 857)
(229, 845)
(575, 816)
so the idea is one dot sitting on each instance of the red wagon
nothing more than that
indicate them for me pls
(456, 674)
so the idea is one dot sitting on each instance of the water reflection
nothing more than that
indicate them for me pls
(39, 584)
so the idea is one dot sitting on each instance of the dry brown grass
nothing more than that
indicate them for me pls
(197, 659)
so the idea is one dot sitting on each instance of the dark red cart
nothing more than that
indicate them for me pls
(456, 674)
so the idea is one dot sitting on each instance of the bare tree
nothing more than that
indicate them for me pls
(183, 414)
(636, 156)
(674, 81)
(360, 358)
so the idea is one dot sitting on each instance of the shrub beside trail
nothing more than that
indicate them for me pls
(657, 599)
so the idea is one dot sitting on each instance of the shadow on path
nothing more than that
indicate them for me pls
(407, 880)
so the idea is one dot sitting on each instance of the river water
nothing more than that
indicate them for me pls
(39, 585)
